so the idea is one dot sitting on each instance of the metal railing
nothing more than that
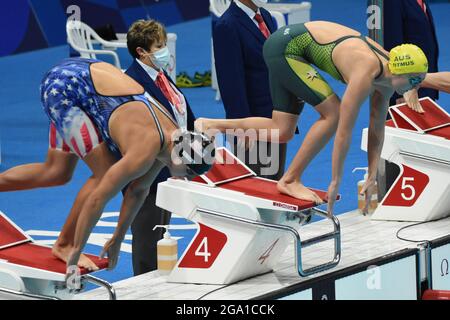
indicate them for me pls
(87, 278)
(299, 244)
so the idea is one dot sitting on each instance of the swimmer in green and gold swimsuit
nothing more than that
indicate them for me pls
(293, 55)
(290, 54)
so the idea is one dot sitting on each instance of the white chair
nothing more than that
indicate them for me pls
(279, 18)
(82, 38)
(218, 7)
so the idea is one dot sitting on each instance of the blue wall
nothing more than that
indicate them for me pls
(34, 24)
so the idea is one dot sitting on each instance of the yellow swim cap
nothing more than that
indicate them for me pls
(407, 58)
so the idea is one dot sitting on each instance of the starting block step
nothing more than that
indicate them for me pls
(30, 271)
(244, 224)
(419, 143)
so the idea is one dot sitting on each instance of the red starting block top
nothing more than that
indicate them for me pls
(41, 257)
(433, 118)
(17, 248)
(235, 175)
(10, 234)
(226, 168)
(267, 189)
(441, 132)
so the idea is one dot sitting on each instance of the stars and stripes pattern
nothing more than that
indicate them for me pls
(82, 139)
(76, 109)
(64, 92)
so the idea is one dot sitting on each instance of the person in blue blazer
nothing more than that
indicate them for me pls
(242, 75)
(146, 41)
(411, 21)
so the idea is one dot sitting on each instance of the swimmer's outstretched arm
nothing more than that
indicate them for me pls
(228, 125)
(133, 200)
(379, 105)
(358, 89)
(438, 81)
(137, 161)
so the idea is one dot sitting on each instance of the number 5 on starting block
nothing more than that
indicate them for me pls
(407, 189)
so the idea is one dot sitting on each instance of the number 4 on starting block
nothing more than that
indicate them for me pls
(205, 248)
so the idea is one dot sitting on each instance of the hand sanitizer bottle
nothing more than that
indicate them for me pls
(361, 197)
(167, 251)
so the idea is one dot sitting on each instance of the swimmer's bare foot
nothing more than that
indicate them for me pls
(297, 190)
(63, 252)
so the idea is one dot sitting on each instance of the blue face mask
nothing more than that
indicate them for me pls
(161, 58)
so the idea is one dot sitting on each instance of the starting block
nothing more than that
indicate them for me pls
(244, 224)
(420, 145)
(30, 271)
